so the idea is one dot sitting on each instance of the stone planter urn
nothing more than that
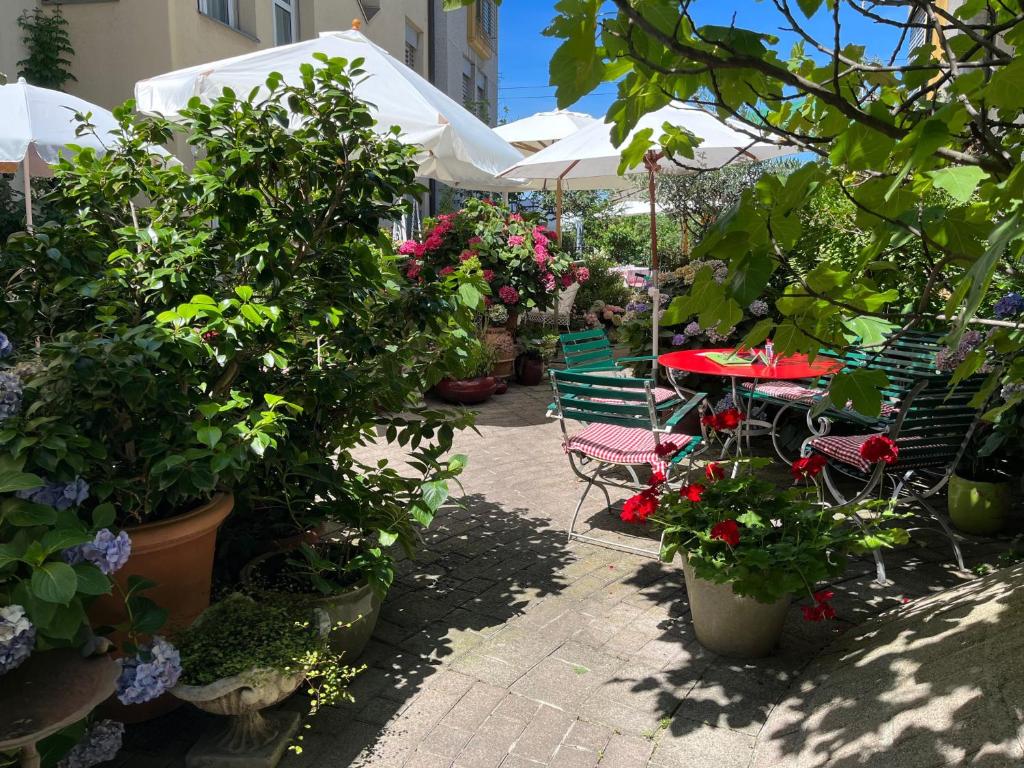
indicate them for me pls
(980, 507)
(731, 625)
(250, 738)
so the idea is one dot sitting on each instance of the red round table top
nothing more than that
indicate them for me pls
(790, 367)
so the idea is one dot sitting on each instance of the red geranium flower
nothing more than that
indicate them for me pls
(661, 450)
(727, 531)
(808, 466)
(638, 508)
(693, 492)
(711, 420)
(730, 418)
(879, 448)
(822, 608)
(657, 478)
(714, 471)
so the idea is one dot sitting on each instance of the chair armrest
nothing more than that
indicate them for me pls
(688, 406)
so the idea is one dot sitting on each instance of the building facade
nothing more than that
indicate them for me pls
(118, 42)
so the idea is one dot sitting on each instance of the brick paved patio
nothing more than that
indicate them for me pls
(501, 645)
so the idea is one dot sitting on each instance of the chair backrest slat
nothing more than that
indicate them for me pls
(592, 397)
(587, 348)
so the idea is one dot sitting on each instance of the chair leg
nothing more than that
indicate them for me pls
(934, 514)
(579, 506)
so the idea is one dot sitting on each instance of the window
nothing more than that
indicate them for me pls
(370, 8)
(224, 11)
(487, 17)
(412, 45)
(468, 76)
(481, 87)
(285, 26)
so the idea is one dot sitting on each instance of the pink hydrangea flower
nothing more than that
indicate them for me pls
(413, 271)
(540, 236)
(541, 255)
(474, 240)
(515, 217)
(447, 270)
(466, 255)
(515, 240)
(508, 294)
(582, 274)
(567, 280)
(433, 242)
(549, 281)
(408, 248)
(488, 275)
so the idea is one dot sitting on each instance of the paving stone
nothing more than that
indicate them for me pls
(447, 741)
(516, 707)
(543, 734)
(588, 736)
(688, 744)
(491, 743)
(629, 752)
(574, 757)
(475, 706)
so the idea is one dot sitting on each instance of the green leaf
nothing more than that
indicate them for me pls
(103, 516)
(435, 493)
(23, 513)
(18, 481)
(809, 7)
(959, 181)
(861, 388)
(209, 436)
(387, 538)
(54, 582)
(91, 580)
(469, 295)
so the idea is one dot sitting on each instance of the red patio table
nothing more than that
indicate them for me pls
(789, 367)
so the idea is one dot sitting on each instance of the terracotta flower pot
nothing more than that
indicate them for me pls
(530, 371)
(731, 625)
(466, 391)
(499, 338)
(177, 554)
(978, 507)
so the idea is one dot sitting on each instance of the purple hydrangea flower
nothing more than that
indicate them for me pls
(679, 339)
(1010, 390)
(100, 744)
(715, 336)
(58, 495)
(721, 275)
(106, 551)
(17, 637)
(1011, 305)
(725, 403)
(10, 394)
(948, 359)
(149, 674)
(6, 347)
(758, 308)
(692, 328)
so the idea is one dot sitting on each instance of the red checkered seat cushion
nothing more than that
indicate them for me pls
(622, 445)
(844, 448)
(660, 394)
(785, 390)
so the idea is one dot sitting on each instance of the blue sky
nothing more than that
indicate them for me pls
(524, 52)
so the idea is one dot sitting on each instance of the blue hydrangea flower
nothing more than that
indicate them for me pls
(10, 394)
(149, 674)
(692, 328)
(17, 637)
(1011, 305)
(715, 336)
(100, 744)
(758, 308)
(6, 348)
(725, 403)
(679, 339)
(721, 275)
(948, 358)
(106, 551)
(1010, 390)
(58, 495)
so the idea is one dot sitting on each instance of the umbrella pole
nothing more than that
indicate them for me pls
(655, 291)
(27, 181)
(558, 209)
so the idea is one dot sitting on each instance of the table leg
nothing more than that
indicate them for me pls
(30, 757)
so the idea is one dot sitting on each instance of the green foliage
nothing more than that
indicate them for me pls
(45, 37)
(239, 635)
(603, 285)
(788, 541)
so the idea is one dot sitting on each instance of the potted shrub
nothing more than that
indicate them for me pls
(175, 358)
(980, 490)
(241, 657)
(538, 350)
(498, 337)
(748, 548)
(472, 382)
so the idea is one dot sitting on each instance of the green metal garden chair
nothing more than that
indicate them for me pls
(624, 429)
(591, 350)
(932, 431)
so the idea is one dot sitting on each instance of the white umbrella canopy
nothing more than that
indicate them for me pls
(456, 147)
(533, 133)
(588, 160)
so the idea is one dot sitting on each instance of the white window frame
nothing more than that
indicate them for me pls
(204, 8)
(292, 7)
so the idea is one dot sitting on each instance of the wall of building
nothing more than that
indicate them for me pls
(11, 49)
(453, 56)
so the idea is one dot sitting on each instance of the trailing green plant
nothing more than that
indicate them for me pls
(45, 37)
(239, 635)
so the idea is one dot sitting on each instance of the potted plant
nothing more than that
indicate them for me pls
(241, 657)
(538, 350)
(499, 338)
(748, 548)
(472, 382)
(980, 491)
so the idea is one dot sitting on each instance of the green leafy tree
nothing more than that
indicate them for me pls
(45, 36)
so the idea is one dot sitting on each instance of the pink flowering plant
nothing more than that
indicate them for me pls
(765, 541)
(517, 256)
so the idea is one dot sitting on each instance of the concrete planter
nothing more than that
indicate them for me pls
(731, 625)
(978, 507)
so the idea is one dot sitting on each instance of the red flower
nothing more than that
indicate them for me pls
(727, 531)
(638, 508)
(693, 492)
(668, 448)
(822, 608)
(508, 294)
(447, 270)
(413, 271)
(823, 596)
(730, 418)
(210, 336)
(488, 275)
(657, 478)
(713, 471)
(466, 255)
(879, 448)
(808, 466)
(711, 420)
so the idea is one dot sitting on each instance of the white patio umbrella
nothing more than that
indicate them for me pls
(38, 125)
(588, 160)
(457, 148)
(531, 134)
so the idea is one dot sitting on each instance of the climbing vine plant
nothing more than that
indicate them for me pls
(48, 43)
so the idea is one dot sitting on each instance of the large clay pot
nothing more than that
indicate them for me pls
(530, 370)
(731, 625)
(466, 391)
(978, 507)
(249, 738)
(357, 609)
(499, 338)
(177, 554)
